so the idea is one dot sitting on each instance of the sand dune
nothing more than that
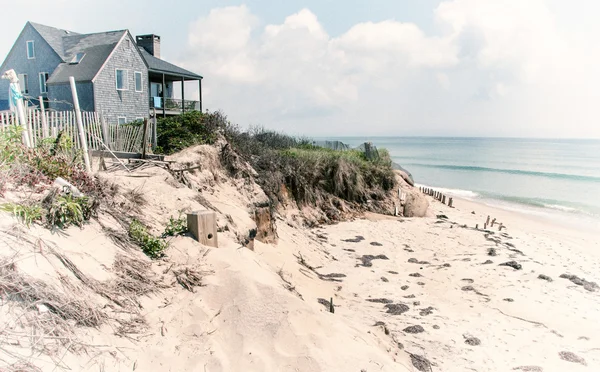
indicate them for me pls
(404, 290)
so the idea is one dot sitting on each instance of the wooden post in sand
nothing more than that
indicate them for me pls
(485, 226)
(444, 200)
(487, 222)
(493, 222)
(450, 203)
(500, 227)
(203, 226)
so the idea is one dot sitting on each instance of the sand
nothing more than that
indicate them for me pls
(403, 289)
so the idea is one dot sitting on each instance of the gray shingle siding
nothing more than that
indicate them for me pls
(113, 103)
(45, 60)
(62, 92)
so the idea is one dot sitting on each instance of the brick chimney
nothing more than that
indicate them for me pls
(149, 42)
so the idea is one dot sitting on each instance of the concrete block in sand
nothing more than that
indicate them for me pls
(416, 205)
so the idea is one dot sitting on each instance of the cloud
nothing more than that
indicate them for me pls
(493, 67)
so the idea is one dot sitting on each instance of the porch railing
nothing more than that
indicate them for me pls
(173, 104)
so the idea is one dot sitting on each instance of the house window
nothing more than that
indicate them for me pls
(24, 83)
(121, 79)
(77, 58)
(122, 120)
(43, 80)
(139, 119)
(30, 49)
(138, 81)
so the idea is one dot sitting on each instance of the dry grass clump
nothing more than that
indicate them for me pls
(188, 278)
(33, 294)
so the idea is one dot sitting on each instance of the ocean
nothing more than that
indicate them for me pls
(553, 178)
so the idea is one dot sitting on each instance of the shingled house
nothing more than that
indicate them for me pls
(122, 78)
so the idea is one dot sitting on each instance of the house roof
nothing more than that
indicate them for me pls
(161, 66)
(53, 36)
(96, 47)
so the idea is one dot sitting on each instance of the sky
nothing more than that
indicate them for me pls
(501, 68)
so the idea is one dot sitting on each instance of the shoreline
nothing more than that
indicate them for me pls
(552, 216)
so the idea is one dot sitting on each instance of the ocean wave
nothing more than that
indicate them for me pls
(562, 208)
(542, 204)
(575, 177)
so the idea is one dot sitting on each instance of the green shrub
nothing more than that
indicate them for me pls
(66, 210)
(176, 133)
(26, 213)
(175, 226)
(153, 247)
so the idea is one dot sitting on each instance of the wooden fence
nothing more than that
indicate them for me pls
(127, 138)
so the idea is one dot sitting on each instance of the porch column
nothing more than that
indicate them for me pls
(200, 93)
(182, 95)
(164, 92)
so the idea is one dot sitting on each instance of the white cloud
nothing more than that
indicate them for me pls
(496, 67)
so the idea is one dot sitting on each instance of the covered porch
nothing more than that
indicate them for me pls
(163, 89)
(167, 81)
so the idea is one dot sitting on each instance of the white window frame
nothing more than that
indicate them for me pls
(24, 83)
(135, 73)
(119, 120)
(45, 86)
(32, 48)
(125, 78)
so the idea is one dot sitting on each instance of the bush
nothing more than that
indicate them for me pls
(153, 247)
(175, 227)
(176, 133)
(27, 213)
(65, 210)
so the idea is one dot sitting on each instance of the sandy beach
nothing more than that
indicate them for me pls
(428, 294)
(456, 291)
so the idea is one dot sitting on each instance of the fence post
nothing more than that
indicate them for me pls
(86, 155)
(145, 138)
(105, 132)
(45, 131)
(154, 129)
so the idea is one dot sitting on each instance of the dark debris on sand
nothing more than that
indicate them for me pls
(356, 239)
(421, 363)
(571, 357)
(414, 329)
(393, 272)
(509, 300)
(380, 300)
(415, 261)
(376, 244)
(333, 277)
(589, 286)
(426, 311)
(545, 277)
(488, 262)
(366, 259)
(468, 288)
(396, 309)
(514, 264)
(492, 252)
(410, 296)
(415, 275)
(472, 341)
(529, 369)
(404, 287)
(384, 279)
